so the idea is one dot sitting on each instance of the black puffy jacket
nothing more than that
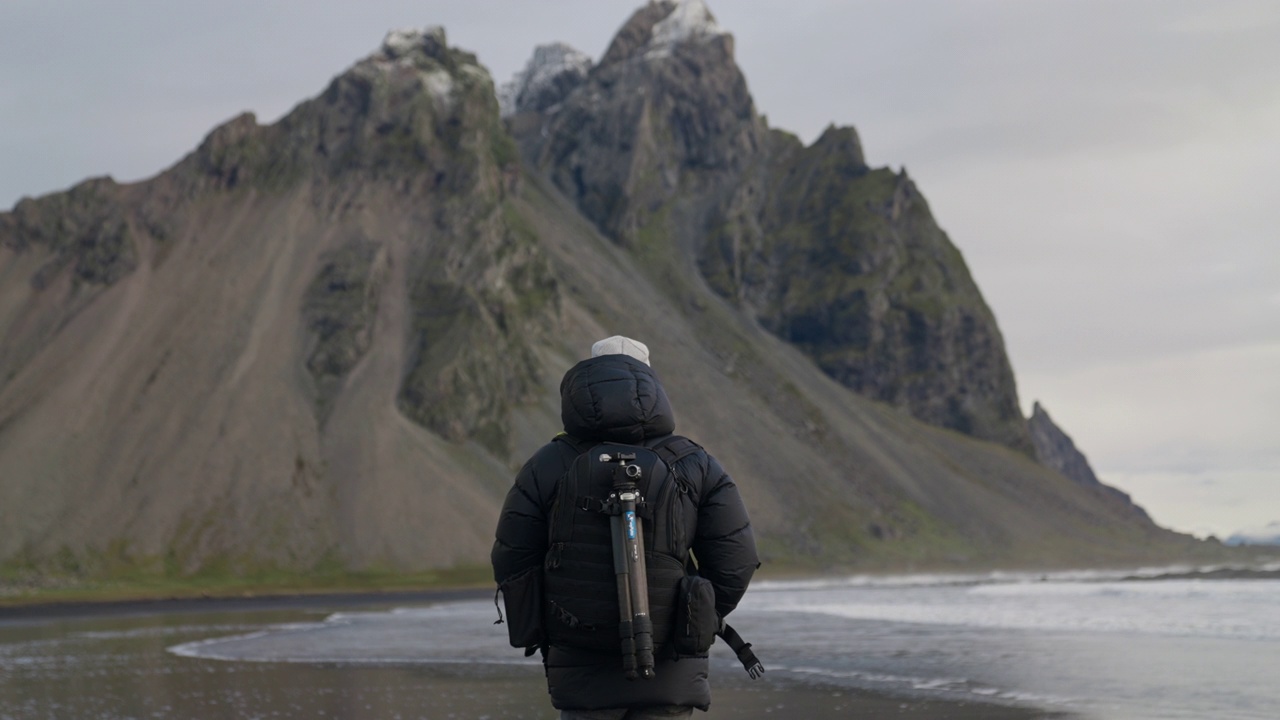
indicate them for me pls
(616, 398)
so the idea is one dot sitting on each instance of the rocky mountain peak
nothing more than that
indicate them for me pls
(1056, 450)
(688, 21)
(549, 76)
(424, 53)
(844, 146)
(666, 108)
(407, 106)
(661, 26)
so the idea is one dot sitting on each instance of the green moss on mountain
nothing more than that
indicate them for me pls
(340, 307)
(86, 228)
(479, 306)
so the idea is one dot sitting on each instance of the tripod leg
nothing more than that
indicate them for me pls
(621, 570)
(642, 625)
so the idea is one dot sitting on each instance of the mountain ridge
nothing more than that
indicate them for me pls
(361, 313)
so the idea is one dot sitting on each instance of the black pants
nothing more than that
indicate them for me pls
(660, 712)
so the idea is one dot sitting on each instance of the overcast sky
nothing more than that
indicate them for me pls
(1110, 170)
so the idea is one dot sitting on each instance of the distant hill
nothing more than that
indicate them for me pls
(1269, 535)
(331, 341)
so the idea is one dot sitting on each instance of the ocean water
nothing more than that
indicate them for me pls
(1089, 645)
(1092, 644)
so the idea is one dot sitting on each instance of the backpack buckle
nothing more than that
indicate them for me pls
(586, 503)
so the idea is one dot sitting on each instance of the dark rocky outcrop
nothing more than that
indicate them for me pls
(480, 310)
(1057, 451)
(84, 228)
(653, 119)
(553, 72)
(847, 263)
(340, 307)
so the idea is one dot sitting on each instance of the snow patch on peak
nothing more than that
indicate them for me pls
(403, 41)
(690, 20)
(549, 75)
(399, 42)
(410, 51)
(440, 84)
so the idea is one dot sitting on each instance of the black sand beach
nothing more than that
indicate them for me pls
(138, 677)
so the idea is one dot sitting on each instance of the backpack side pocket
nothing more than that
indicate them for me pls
(522, 596)
(696, 621)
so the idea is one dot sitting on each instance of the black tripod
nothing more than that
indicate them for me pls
(635, 627)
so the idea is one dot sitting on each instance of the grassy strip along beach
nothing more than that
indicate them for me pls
(19, 589)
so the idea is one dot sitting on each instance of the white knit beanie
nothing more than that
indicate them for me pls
(619, 345)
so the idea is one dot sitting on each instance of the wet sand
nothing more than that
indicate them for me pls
(770, 699)
(767, 700)
(795, 700)
(211, 688)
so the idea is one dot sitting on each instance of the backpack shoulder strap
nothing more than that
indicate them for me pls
(561, 526)
(674, 448)
(579, 446)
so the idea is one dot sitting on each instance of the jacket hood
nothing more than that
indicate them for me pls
(614, 398)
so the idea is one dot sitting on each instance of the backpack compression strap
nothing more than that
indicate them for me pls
(742, 650)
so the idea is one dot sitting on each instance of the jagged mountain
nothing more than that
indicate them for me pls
(661, 143)
(333, 339)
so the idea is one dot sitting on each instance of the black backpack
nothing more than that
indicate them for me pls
(579, 588)
(572, 599)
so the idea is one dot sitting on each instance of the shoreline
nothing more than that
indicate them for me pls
(777, 695)
(286, 597)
